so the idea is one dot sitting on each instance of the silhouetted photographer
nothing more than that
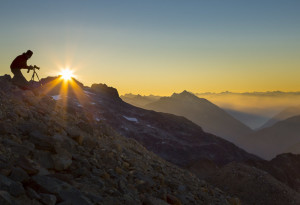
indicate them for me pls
(20, 62)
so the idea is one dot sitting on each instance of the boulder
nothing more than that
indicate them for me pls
(28, 165)
(6, 198)
(74, 197)
(18, 174)
(50, 185)
(41, 141)
(32, 194)
(6, 128)
(154, 201)
(14, 188)
(48, 199)
(62, 161)
(44, 159)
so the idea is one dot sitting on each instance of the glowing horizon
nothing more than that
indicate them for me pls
(199, 46)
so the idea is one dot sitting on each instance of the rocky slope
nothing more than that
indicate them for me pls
(253, 185)
(54, 154)
(174, 138)
(284, 167)
(202, 112)
(256, 181)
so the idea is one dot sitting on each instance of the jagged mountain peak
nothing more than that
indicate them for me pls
(184, 94)
(185, 97)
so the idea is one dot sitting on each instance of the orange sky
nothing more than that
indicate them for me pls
(159, 47)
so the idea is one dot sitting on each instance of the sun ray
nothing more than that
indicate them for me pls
(67, 86)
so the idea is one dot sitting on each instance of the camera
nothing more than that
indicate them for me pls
(32, 68)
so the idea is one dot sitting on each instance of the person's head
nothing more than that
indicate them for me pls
(29, 54)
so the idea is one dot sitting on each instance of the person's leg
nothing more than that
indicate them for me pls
(19, 79)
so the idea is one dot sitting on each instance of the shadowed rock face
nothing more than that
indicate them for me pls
(103, 89)
(52, 155)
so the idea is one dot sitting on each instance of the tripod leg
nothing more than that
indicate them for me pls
(32, 77)
(37, 77)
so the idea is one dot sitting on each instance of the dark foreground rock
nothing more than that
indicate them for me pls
(253, 185)
(43, 161)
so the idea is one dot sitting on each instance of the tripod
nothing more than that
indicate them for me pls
(33, 74)
(34, 84)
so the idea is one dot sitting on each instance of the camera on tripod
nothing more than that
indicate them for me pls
(34, 72)
(32, 68)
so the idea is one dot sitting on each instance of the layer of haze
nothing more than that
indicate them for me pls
(159, 46)
(265, 104)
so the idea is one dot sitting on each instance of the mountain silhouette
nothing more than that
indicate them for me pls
(254, 121)
(139, 100)
(283, 136)
(202, 112)
(293, 149)
(285, 114)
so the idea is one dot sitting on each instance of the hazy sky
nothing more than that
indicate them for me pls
(159, 46)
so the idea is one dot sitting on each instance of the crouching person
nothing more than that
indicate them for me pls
(20, 62)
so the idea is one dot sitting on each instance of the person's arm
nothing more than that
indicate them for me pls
(20, 62)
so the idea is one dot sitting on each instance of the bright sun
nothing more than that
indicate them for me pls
(66, 74)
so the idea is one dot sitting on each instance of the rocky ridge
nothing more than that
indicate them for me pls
(53, 154)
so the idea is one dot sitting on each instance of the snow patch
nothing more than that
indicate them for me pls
(132, 119)
(88, 92)
(151, 126)
(78, 105)
(56, 97)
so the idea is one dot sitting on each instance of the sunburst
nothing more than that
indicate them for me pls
(66, 74)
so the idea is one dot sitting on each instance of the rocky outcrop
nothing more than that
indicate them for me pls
(103, 89)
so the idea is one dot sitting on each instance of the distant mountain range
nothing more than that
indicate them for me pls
(283, 115)
(293, 149)
(252, 120)
(279, 135)
(202, 112)
(253, 109)
(139, 100)
(283, 136)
